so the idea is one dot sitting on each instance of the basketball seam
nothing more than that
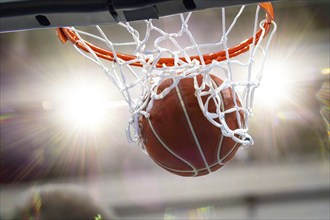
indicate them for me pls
(192, 129)
(220, 159)
(169, 150)
(230, 152)
(219, 148)
(188, 171)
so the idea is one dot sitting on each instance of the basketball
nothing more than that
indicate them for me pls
(179, 138)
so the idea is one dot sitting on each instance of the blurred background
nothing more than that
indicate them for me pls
(285, 175)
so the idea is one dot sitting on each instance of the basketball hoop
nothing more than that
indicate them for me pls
(151, 64)
(71, 34)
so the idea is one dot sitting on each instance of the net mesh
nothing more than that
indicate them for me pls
(136, 76)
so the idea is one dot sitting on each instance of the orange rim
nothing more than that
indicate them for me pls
(66, 34)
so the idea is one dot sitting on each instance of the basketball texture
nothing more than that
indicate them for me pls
(179, 138)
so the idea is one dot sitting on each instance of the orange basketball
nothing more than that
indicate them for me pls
(179, 138)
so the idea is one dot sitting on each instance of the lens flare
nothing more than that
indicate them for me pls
(273, 91)
(84, 106)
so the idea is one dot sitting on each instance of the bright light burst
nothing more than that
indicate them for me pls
(274, 87)
(84, 106)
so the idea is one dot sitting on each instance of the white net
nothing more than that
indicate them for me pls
(136, 76)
